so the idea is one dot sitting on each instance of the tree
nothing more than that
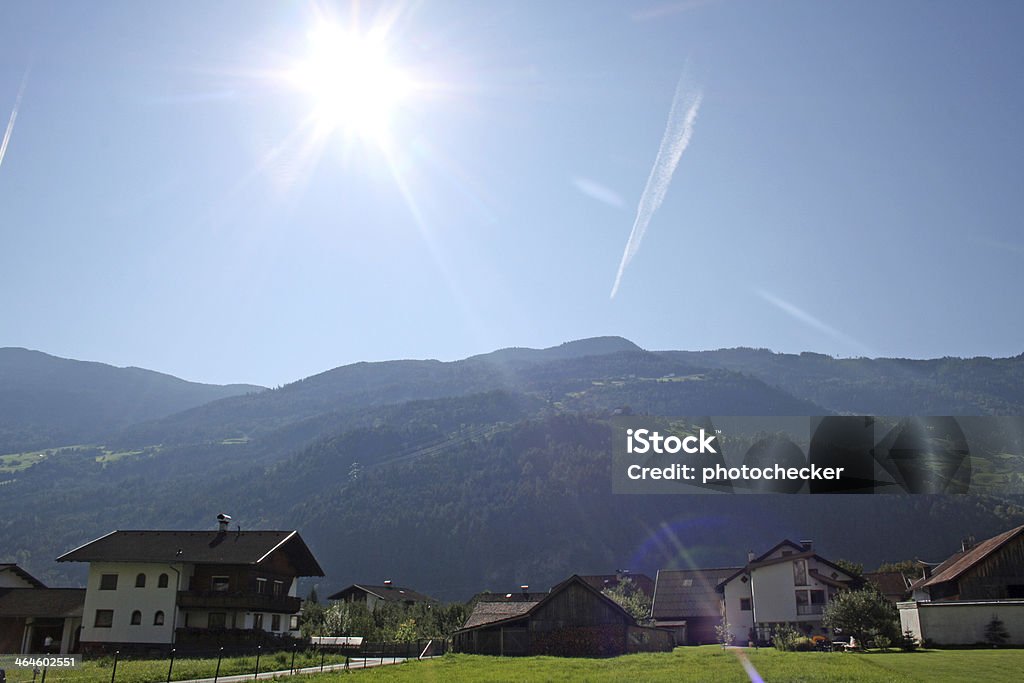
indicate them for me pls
(724, 632)
(863, 614)
(854, 569)
(631, 598)
(995, 632)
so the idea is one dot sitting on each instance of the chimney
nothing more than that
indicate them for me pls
(387, 582)
(525, 588)
(807, 545)
(223, 522)
(966, 544)
(750, 556)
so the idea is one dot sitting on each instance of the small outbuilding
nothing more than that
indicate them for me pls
(573, 620)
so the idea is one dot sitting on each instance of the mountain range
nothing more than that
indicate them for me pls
(455, 477)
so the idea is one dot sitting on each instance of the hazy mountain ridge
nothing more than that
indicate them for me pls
(494, 470)
(46, 401)
(881, 386)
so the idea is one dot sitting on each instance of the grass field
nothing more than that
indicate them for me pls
(708, 664)
(151, 670)
(711, 664)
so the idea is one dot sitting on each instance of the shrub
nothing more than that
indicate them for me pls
(908, 643)
(784, 637)
(803, 645)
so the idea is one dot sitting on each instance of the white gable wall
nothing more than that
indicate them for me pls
(126, 598)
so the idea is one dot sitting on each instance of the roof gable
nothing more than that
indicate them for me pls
(488, 613)
(14, 570)
(198, 547)
(386, 592)
(959, 563)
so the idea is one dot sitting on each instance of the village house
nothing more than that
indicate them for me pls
(35, 619)
(789, 584)
(149, 590)
(574, 619)
(953, 602)
(372, 596)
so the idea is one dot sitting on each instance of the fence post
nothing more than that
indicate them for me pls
(43, 679)
(220, 656)
(114, 672)
(259, 650)
(323, 653)
(294, 648)
(170, 667)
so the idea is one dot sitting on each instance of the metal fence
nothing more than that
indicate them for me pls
(219, 665)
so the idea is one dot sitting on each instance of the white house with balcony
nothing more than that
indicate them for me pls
(150, 590)
(789, 584)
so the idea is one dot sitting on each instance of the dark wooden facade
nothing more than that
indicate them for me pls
(998, 576)
(574, 620)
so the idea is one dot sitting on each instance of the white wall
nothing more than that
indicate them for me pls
(774, 596)
(961, 623)
(127, 598)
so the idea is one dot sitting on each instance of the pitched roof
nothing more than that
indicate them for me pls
(21, 574)
(602, 581)
(490, 614)
(958, 563)
(684, 593)
(389, 593)
(764, 560)
(41, 602)
(198, 547)
(893, 585)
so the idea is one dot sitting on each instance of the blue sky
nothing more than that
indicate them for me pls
(852, 185)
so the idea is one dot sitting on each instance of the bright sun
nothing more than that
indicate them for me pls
(352, 82)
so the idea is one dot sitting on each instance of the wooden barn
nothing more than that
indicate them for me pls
(990, 570)
(573, 620)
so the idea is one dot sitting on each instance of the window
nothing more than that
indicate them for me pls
(275, 622)
(278, 589)
(104, 618)
(140, 581)
(261, 585)
(136, 618)
(810, 602)
(745, 604)
(217, 620)
(158, 618)
(257, 622)
(108, 582)
(293, 622)
(800, 572)
(220, 584)
(162, 581)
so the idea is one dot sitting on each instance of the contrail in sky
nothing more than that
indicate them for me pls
(677, 136)
(14, 116)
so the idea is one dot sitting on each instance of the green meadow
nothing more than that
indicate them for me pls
(711, 664)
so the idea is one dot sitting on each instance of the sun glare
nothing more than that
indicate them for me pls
(352, 83)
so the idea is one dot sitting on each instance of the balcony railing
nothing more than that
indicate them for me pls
(252, 602)
(804, 610)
